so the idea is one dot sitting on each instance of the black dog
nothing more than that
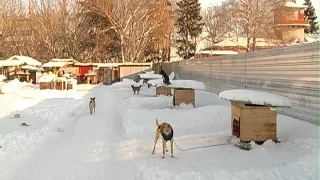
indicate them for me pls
(165, 77)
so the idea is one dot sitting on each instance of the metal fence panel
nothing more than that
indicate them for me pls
(289, 71)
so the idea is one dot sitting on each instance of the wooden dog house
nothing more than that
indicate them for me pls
(163, 90)
(253, 114)
(253, 122)
(183, 95)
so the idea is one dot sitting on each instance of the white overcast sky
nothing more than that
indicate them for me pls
(315, 3)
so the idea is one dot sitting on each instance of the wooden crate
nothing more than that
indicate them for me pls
(45, 85)
(184, 95)
(253, 123)
(163, 90)
(69, 86)
(60, 85)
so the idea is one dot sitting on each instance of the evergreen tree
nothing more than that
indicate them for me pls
(189, 26)
(310, 14)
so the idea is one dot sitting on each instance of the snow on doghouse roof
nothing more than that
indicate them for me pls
(255, 97)
(19, 60)
(197, 85)
(151, 75)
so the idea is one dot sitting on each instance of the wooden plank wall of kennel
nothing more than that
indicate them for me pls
(253, 123)
(46, 85)
(184, 95)
(163, 90)
(60, 85)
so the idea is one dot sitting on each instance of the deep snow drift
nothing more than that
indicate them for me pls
(65, 142)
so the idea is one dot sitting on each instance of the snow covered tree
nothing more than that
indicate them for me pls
(310, 14)
(189, 27)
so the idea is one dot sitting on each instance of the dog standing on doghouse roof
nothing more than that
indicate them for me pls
(165, 77)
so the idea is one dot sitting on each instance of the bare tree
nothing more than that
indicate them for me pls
(134, 21)
(256, 18)
(217, 23)
(103, 31)
(14, 14)
(39, 29)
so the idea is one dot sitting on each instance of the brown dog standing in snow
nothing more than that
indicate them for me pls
(166, 131)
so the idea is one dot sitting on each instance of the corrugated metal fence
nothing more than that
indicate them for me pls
(289, 71)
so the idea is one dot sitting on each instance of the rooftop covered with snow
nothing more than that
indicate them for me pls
(295, 5)
(20, 60)
(255, 97)
(52, 64)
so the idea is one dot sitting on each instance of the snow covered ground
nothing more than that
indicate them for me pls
(65, 142)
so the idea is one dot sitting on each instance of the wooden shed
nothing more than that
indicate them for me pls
(254, 114)
(105, 75)
(132, 68)
(13, 67)
(118, 71)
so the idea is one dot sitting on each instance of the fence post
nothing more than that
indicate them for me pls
(210, 76)
(191, 71)
(245, 71)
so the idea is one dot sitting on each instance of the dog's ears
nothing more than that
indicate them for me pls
(94, 98)
(157, 123)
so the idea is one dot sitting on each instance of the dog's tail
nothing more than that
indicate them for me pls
(157, 123)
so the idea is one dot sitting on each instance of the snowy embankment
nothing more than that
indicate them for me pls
(47, 112)
(208, 124)
(116, 142)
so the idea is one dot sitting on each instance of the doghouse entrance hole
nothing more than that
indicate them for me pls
(254, 105)
(236, 127)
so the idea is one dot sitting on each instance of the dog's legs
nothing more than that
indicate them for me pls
(157, 135)
(166, 148)
(163, 147)
(171, 144)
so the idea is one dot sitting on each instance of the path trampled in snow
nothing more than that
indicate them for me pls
(88, 149)
(116, 142)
